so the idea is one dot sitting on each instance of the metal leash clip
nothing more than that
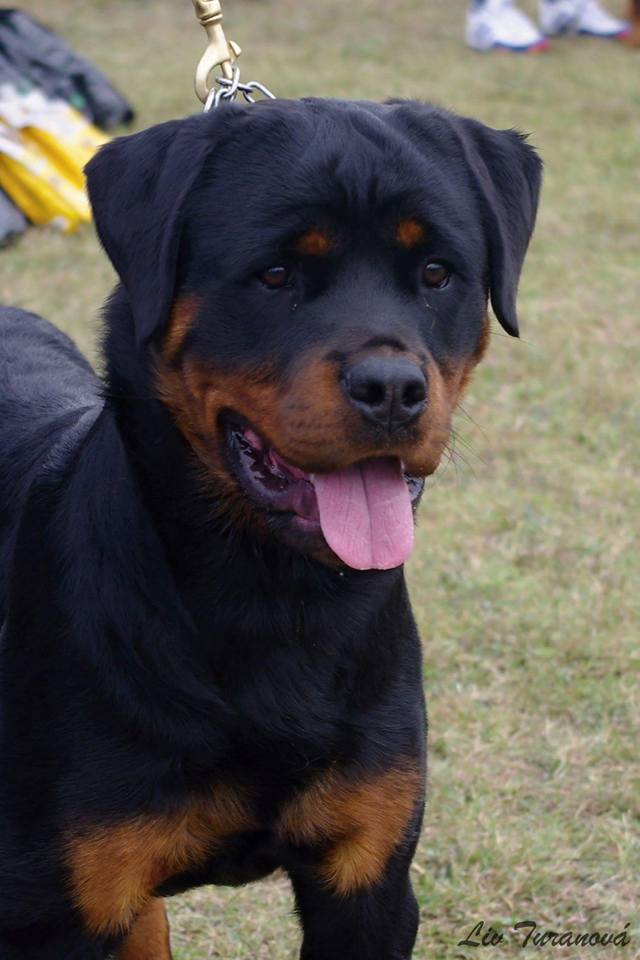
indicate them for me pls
(221, 54)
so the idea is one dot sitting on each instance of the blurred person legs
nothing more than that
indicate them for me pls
(580, 16)
(498, 24)
(633, 37)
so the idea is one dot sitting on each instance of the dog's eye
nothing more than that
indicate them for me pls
(275, 277)
(436, 275)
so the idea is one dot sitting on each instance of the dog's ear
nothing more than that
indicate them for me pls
(137, 186)
(506, 175)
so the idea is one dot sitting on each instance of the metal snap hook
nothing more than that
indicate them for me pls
(221, 54)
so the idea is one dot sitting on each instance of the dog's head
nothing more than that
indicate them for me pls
(311, 279)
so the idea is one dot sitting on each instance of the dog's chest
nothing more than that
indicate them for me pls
(291, 718)
(218, 837)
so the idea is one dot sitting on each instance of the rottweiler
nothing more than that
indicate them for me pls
(209, 667)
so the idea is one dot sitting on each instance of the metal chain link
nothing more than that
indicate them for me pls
(227, 90)
(221, 54)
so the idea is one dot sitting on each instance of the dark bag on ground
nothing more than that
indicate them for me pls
(40, 56)
(12, 221)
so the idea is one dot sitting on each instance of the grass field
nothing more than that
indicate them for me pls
(526, 579)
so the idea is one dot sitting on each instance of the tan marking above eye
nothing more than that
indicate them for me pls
(410, 233)
(114, 869)
(362, 822)
(315, 243)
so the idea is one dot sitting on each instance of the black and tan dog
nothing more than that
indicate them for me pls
(209, 668)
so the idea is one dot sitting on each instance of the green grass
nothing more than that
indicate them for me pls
(526, 579)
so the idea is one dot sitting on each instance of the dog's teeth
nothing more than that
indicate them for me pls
(312, 478)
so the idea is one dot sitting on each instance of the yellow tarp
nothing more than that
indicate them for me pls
(44, 146)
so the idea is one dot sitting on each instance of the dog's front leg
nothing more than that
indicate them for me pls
(353, 836)
(376, 923)
(148, 939)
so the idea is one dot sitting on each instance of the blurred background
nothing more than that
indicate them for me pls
(526, 579)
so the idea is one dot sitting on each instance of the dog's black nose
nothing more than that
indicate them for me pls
(386, 390)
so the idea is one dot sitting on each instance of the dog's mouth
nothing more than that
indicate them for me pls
(364, 512)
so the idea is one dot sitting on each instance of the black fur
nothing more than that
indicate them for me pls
(152, 645)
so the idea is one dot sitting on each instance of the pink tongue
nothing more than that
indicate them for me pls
(365, 514)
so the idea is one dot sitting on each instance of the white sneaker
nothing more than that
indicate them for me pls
(498, 24)
(579, 16)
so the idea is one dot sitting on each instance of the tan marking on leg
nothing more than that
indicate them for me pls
(115, 869)
(362, 822)
(148, 939)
